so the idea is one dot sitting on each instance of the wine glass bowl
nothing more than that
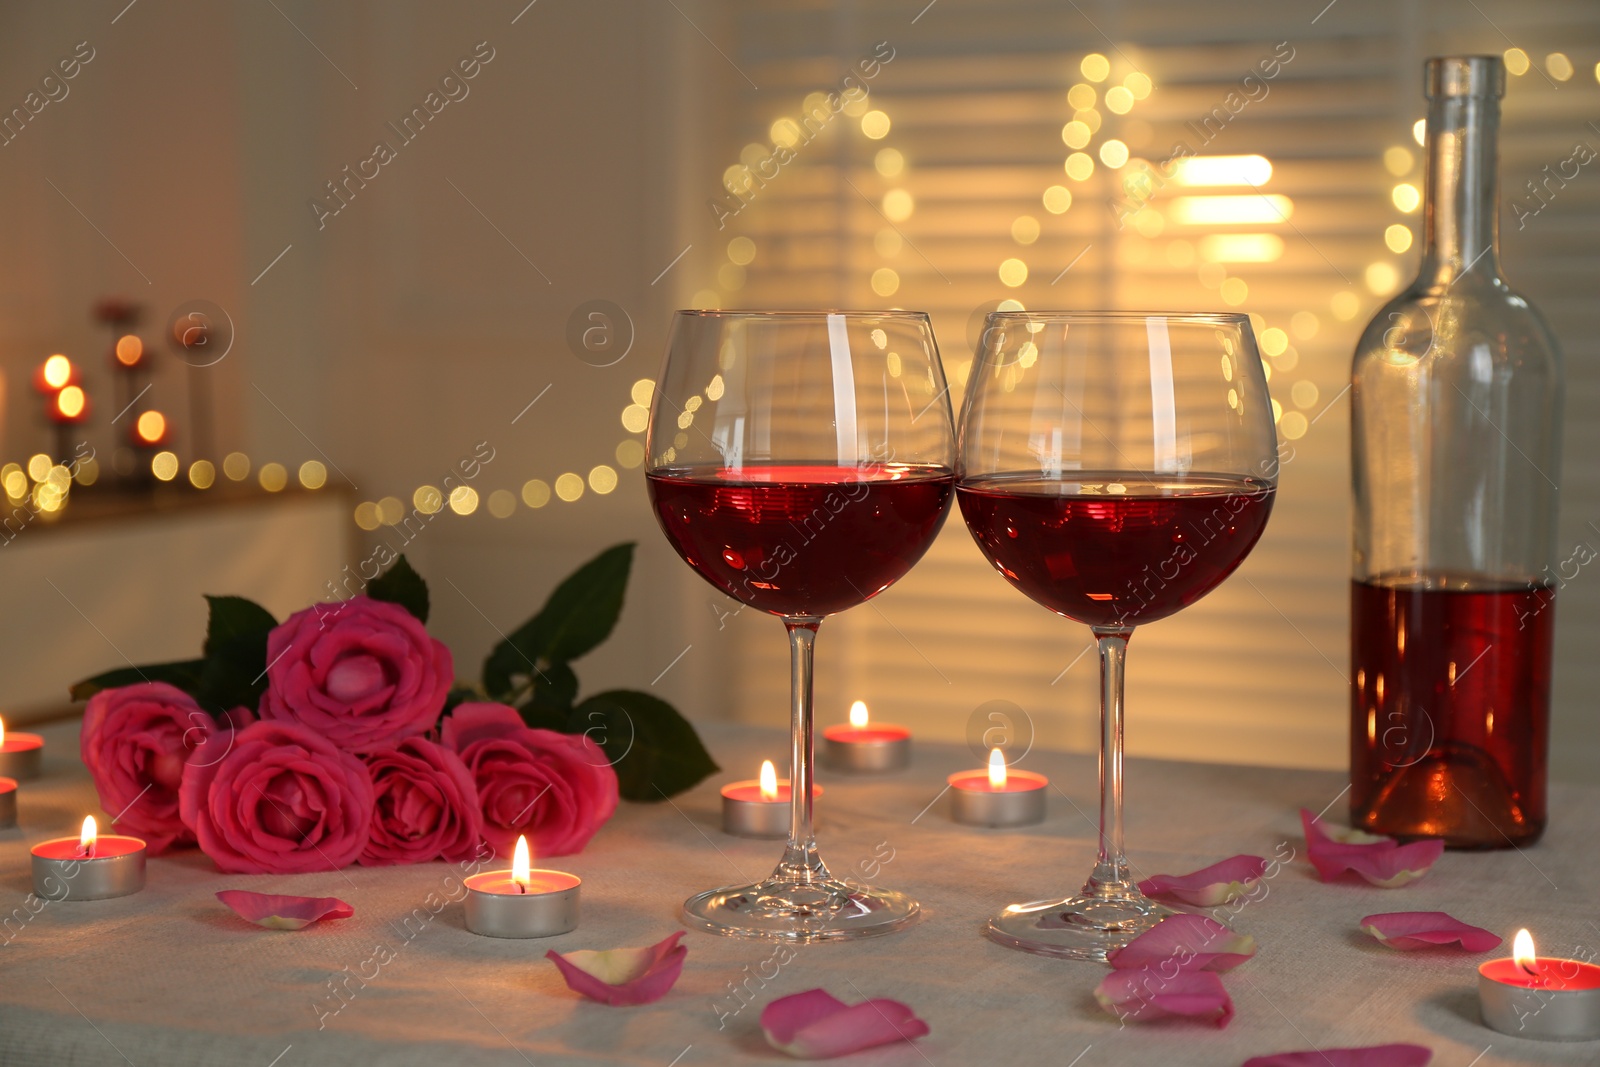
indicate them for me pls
(801, 463)
(1115, 467)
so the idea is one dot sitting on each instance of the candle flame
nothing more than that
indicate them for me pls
(71, 402)
(2, 731)
(1522, 952)
(997, 769)
(521, 864)
(87, 836)
(151, 427)
(57, 371)
(858, 714)
(130, 349)
(769, 781)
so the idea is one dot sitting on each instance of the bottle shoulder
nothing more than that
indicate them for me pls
(1431, 320)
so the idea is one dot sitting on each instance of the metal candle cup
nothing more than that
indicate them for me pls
(867, 749)
(746, 813)
(1018, 801)
(1559, 1002)
(497, 906)
(114, 868)
(20, 755)
(8, 803)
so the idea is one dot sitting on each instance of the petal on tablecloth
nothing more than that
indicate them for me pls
(815, 1025)
(1220, 883)
(1428, 929)
(623, 975)
(1185, 943)
(1380, 860)
(1145, 994)
(1371, 1056)
(278, 912)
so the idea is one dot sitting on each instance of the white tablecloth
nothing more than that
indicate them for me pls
(169, 978)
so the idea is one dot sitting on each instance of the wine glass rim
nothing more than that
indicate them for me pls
(1212, 317)
(814, 313)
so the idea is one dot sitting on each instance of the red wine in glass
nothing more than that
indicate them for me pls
(1449, 709)
(1115, 549)
(1115, 466)
(801, 462)
(801, 539)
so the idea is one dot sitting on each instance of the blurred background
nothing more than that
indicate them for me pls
(407, 241)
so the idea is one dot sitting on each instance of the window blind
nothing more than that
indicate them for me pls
(1035, 152)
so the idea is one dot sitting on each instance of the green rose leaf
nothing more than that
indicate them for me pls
(561, 720)
(581, 613)
(653, 749)
(555, 687)
(234, 672)
(402, 585)
(185, 674)
(460, 694)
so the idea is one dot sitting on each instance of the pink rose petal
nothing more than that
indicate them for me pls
(1185, 943)
(1371, 1056)
(1380, 860)
(1144, 994)
(277, 912)
(1220, 883)
(623, 975)
(1427, 929)
(815, 1025)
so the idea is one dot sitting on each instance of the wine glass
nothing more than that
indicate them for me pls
(801, 462)
(1115, 467)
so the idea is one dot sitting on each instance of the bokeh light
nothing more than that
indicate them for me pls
(602, 479)
(569, 487)
(536, 491)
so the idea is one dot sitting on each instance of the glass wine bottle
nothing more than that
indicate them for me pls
(1455, 447)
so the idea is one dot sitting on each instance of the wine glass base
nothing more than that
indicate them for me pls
(1077, 928)
(800, 913)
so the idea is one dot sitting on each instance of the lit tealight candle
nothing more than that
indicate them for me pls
(1546, 999)
(863, 747)
(8, 803)
(522, 902)
(998, 796)
(759, 808)
(20, 754)
(91, 866)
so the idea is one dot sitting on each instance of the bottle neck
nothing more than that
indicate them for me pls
(1461, 226)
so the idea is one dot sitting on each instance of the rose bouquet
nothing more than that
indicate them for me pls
(340, 735)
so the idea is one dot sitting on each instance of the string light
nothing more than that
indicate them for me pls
(569, 487)
(536, 493)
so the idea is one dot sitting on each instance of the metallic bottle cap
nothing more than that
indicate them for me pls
(1480, 76)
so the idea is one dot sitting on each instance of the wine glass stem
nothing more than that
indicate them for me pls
(800, 860)
(1110, 877)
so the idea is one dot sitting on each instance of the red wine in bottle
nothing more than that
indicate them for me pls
(1455, 450)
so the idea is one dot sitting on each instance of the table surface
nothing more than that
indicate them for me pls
(169, 977)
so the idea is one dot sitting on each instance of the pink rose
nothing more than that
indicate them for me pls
(135, 742)
(362, 673)
(426, 806)
(282, 801)
(556, 788)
